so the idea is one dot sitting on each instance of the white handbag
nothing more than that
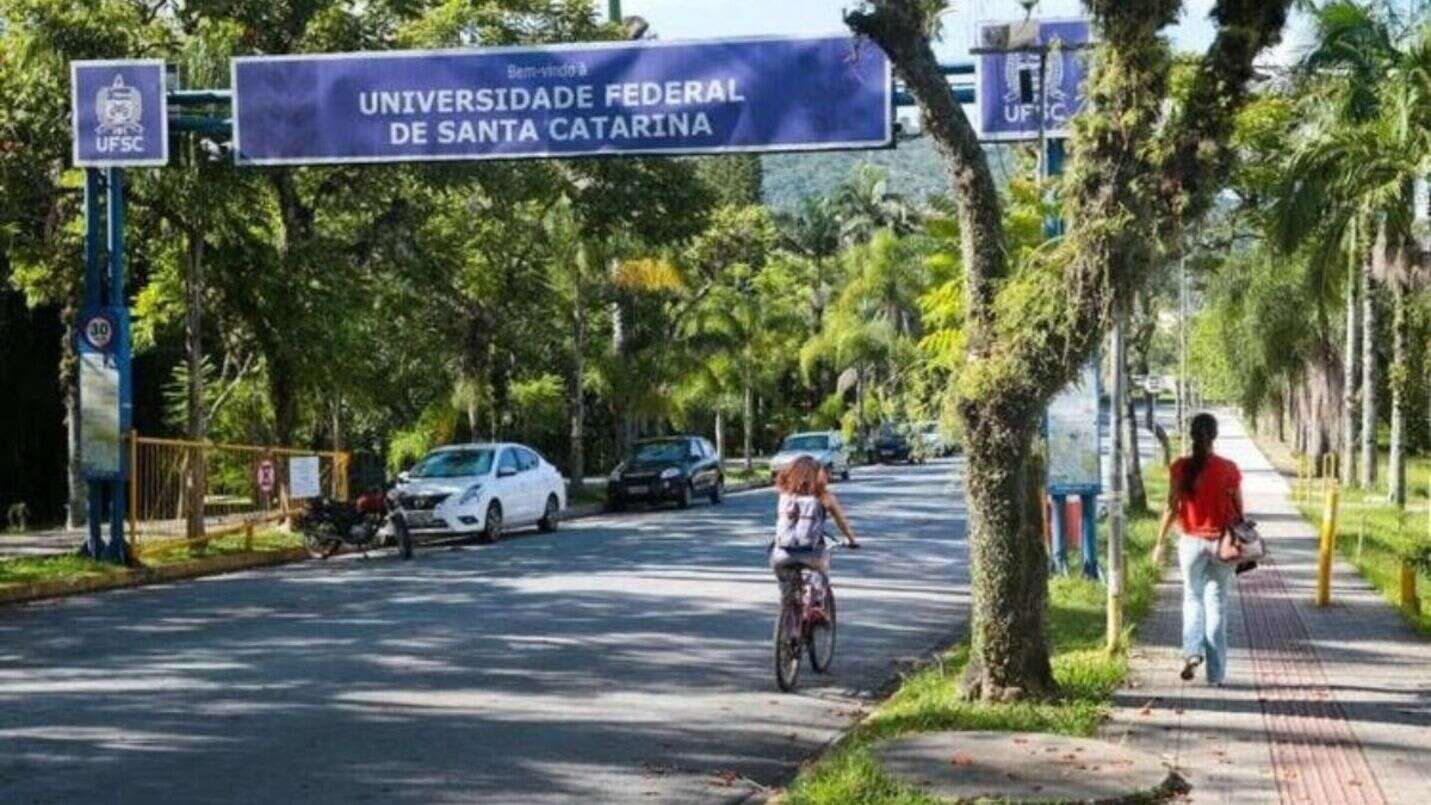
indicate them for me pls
(1249, 541)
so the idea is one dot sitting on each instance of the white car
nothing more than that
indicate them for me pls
(827, 447)
(481, 489)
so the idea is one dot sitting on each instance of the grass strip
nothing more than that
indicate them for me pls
(1371, 535)
(931, 699)
(37, 569)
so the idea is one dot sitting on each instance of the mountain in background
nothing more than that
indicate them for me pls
(914, 167)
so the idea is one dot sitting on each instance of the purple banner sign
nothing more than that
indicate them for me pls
(119, 114)
(1002, 113)
(701, 97)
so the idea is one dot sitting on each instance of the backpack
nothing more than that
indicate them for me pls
(801, 523)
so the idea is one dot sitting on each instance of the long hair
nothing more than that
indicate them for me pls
(804, 476)
(1204, 431)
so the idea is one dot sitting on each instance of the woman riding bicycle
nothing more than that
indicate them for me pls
(805, 500)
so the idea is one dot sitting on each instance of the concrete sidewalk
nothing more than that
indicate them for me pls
(1321, 704)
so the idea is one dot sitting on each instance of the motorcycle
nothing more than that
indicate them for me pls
(328, 525)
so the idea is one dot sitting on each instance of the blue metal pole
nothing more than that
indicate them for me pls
(1090, 535)
(117, 550)
(93, 238)
(115, 178)
(93, 297)
(1058, 533)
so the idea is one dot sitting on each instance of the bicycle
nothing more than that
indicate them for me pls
(806, 624)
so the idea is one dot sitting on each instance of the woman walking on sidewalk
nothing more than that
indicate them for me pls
(1205, 499)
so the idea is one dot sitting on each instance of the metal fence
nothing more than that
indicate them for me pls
(184, 491)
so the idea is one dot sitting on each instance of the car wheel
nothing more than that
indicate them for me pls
(616, 504)
(683, 498)
(845, 473)
(718, 490)
(492, 526)
(551, 515)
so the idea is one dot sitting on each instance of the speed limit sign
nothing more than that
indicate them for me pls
(99, 332)
(267, 476)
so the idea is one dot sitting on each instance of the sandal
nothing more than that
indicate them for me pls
(1190, 668)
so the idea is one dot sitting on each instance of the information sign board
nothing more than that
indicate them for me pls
(120, 113)
(1003, 112)
(1074, 436)
(303, 477)
(647, 97)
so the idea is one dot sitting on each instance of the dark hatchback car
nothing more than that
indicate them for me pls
(676, 469)
(889, 446)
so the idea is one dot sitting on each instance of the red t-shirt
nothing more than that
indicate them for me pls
(1211, 507)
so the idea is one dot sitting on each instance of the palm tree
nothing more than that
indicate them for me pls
(737, 330)
(813, 232)
(866, 205)
(873, 326)
(1354, 175)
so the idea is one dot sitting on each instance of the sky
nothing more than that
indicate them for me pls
(694, 19)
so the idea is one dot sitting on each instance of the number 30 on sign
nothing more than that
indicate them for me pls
(99, 332)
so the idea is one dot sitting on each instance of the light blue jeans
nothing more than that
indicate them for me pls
(1206, 582)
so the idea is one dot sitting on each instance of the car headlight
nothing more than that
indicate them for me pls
(669, 473)
(470, 495)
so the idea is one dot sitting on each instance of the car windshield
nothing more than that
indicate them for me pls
(815, 442)
(453, 464)
(653, 452)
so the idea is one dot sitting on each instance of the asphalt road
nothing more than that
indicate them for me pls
(625, 658)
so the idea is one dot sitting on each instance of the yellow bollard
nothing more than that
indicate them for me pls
(1324, 552)
(1410, 601)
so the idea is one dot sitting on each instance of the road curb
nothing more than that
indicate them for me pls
(140, 577)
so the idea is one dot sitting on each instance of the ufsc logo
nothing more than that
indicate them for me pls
(1056, 106)
(119, 109)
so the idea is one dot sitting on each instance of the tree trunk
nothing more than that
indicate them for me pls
(1323, 392)
(1349, 398)
(340, 441)
(1399, 380)
(1279, 417)
(1137, 492)
(197, 426)
(576, 393)
(1009, 658)
(748, 417)
(1368, 380)
(77, 506)
(720, 431)
(1132, 464)
(283, 396)
(625, 435)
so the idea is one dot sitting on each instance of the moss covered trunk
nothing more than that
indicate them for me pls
(1009, 567)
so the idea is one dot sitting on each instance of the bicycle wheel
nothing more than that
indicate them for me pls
(822, 632)
(787, 647)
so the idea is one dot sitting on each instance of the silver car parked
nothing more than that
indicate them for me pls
(825, 446)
